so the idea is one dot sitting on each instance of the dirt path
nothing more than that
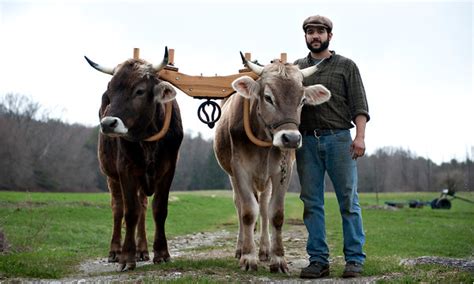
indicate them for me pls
(216, 245)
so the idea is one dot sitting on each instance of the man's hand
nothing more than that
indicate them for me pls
(358, 147)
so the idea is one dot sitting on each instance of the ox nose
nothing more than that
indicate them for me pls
(291, 140)
(108, 125)
(114, 125)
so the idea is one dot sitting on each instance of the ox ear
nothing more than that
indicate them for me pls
(164, 92)
(316, 94)
(246, 87)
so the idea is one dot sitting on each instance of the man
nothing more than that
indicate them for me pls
(328, 147)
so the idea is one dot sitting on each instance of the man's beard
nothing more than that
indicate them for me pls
(324, 46)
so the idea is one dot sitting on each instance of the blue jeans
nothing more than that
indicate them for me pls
(331, 154)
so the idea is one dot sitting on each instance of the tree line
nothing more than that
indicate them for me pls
(39, 153)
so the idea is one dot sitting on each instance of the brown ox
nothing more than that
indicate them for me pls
(260, 175)
(133, 110)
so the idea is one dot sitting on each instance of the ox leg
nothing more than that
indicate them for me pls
(277, 205)
(142, 246)
(117, 215)
(248, 214)
(132, 214)
(238, 247)
(263, 253)
(160, 212)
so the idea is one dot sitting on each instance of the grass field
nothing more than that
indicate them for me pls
(51, 233)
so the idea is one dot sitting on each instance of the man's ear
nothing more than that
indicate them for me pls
(246, 87)
(316, 94)
(164, 92)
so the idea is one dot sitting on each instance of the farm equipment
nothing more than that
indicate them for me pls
(212, 88)
(442, 202)
(410, 203)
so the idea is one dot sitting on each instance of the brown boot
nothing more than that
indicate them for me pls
(315, 270)
(352, 269)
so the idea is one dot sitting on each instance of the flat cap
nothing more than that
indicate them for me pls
(317, 21)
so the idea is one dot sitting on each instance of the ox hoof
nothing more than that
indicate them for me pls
(278, 264)
(127, 266)
(248, 263)
(160, 259)
(113, 256)
(263, 256)
(143, 256)
(238, 253)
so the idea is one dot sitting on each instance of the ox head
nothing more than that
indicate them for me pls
(133, 96)
(279, 96)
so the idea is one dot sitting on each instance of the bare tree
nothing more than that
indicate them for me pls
(41, 155)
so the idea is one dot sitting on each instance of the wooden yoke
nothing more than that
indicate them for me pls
(202, 87)
(213, 87)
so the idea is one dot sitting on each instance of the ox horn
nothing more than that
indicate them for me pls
(106, 70)
(257, 69)
(310, 70)
(158, 67)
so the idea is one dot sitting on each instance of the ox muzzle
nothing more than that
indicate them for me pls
(284, 138)
(112, 126)
(287, 139)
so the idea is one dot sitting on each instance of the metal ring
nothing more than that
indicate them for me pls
(211, 119)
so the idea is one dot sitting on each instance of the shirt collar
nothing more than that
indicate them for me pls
(311, 60)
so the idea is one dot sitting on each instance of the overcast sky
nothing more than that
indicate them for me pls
(415, 58)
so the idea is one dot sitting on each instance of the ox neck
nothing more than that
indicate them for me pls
(260, 129)
(157, 122)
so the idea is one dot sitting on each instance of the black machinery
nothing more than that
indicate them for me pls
(442, 202)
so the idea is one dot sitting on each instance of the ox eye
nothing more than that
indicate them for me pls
(268, 99)
(303, 101)
(139, 92)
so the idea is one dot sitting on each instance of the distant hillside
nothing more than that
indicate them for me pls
(38, 153)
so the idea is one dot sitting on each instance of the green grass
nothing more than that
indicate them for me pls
(50, 233)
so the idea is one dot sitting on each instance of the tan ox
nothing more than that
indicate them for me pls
(260, 175)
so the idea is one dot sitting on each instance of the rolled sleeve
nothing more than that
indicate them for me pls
(356, 94)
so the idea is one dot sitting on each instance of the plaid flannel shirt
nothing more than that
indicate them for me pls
(341, 76)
